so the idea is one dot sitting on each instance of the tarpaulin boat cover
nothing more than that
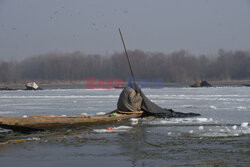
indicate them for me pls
(151, 108)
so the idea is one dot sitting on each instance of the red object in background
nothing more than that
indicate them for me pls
(95, 83)
(118, 87)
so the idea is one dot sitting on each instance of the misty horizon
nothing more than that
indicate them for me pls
(175, 67)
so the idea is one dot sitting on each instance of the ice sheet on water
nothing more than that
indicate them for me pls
(58, 97)
(179, 121)
(225, 132)
(220, 131)
(244, 124)
(201, 127)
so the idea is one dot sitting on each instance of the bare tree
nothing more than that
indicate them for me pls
(174, 67)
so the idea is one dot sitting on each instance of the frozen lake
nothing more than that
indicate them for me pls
(220, 135)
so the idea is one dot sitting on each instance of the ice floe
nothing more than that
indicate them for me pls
(100, 113)
(5, 130)
(34, 138)
(234, 127)
(84, 114)
(225, 132)
(134, 121)
(244, 124)
(241, 108)
(213, 107)
(201, 127)
(113, 129)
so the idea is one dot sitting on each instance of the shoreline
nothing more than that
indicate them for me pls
(42, 83)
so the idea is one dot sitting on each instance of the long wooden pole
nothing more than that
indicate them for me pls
(130, 66)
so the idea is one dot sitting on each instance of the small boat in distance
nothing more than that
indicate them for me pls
(201, 84)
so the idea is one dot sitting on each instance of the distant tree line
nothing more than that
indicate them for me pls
(174, 67)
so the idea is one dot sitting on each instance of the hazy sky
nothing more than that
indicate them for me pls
(29, 27)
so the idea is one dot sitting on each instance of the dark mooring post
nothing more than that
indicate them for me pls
(130, 66)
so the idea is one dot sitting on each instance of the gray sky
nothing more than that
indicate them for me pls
(29, 27)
